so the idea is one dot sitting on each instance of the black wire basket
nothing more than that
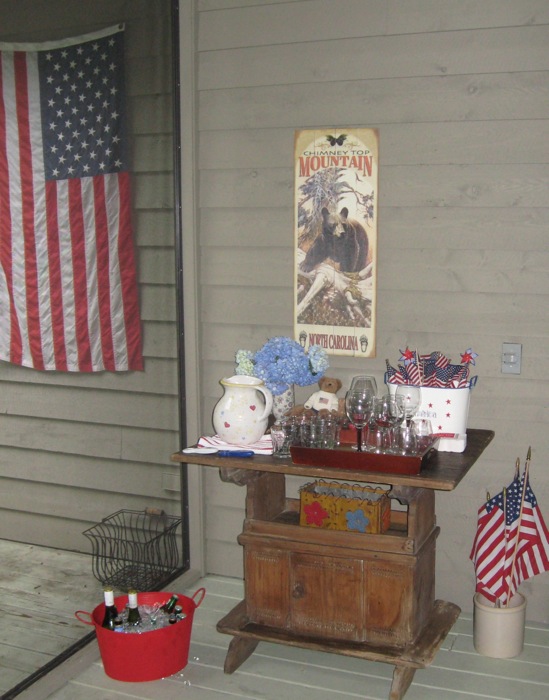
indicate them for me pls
(135, 549)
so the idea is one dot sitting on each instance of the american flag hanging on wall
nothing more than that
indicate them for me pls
(68, 290)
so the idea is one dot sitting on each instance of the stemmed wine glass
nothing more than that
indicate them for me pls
(411, 399)
(364, 382)
(358, 404)
(381, 418)
(395, 413)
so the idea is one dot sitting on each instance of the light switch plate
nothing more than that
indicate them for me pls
(511, 358)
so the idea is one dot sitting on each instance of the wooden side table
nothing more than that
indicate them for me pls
(362, 595)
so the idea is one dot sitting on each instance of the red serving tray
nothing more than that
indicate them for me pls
(345, 457)
(347, 436)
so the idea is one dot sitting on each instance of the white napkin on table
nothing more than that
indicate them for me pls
(264, 446)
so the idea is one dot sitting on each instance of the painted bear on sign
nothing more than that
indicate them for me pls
(343, 240)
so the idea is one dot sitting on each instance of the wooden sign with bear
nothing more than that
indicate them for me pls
(336, 172)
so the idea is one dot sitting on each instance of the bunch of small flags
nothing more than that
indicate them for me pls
(433, 370)
(511, 544)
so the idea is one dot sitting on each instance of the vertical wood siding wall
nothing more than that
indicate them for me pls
(75, 448)
(459, 93)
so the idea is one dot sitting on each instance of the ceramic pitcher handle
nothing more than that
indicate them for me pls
(268, 401)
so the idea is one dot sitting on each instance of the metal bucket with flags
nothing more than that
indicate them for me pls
(445, 392)
(511, 545)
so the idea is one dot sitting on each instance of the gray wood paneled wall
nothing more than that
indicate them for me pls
(459, 92)
(74, 447)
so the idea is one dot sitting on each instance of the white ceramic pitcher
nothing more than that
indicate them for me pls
(241, 415)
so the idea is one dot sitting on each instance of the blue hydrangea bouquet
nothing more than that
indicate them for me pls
(282, 362)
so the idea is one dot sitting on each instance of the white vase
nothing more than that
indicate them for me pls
(241, 415)
(499, 632)
(282, 403)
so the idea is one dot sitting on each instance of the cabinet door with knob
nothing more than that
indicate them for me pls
(326, 596)
(304, 593)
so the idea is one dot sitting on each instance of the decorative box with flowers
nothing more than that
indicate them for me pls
(282, 363)
(335, 506)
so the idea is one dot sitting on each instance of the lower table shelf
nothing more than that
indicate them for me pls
(407, 659)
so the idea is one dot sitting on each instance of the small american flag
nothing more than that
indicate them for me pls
(68, 291)
(532, 547)
(414, 374)
(489, 549)
(393, 376)
(441, 360)
(442, 376)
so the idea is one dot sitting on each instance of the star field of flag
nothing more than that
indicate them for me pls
(82, 104)
(513, 496)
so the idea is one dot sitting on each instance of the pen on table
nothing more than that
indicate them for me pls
(218, 453)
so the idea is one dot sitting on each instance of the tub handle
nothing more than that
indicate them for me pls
(201, 592)
(89, 621)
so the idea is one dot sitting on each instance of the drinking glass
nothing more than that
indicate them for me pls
(283, 433)
(411, 399)
(381, 419)
(326, 431)
(364, 382)
(395, 415)
(407, 439)
(358, 406)
(424, 433)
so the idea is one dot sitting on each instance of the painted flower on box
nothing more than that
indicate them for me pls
(357, 520)
(315, 514)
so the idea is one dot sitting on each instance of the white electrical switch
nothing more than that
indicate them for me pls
(511, 357)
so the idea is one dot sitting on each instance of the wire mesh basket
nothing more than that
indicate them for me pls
(135, 549)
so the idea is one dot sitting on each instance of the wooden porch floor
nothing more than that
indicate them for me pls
(275, 671)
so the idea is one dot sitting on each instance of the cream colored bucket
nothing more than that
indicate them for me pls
(499, 632)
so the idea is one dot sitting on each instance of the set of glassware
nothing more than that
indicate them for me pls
(320, 431)
(384, 424)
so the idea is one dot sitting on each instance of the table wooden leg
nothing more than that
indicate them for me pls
(402, 679)
(240, 649)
